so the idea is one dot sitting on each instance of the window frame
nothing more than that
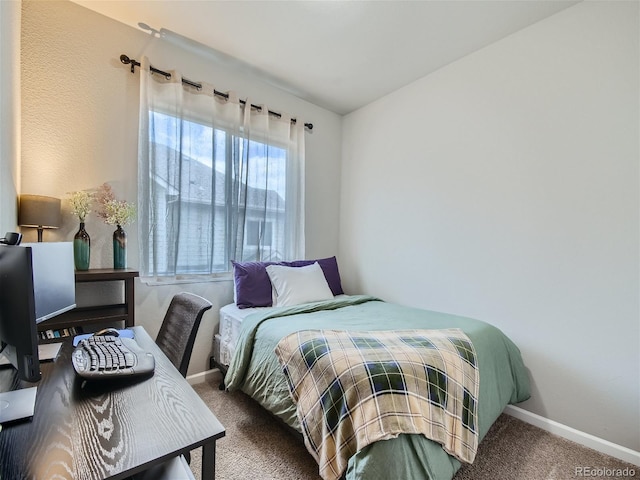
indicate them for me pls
(182, 275)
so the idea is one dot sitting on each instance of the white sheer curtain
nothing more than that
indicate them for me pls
(217, 180)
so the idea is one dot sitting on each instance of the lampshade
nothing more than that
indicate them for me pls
(38, 211)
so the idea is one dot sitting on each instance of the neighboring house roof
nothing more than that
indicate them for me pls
(200, 178)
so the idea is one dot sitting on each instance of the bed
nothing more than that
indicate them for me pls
(249, 338)
(231, 318)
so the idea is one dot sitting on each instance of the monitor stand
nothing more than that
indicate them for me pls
(17, 404)
(46, 352)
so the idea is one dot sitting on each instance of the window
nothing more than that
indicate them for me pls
(217, 181)
(258, 231)
(202, 190)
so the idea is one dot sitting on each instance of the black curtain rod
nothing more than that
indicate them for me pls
(128, 61)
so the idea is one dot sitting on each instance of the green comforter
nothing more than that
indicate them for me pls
(255, 370)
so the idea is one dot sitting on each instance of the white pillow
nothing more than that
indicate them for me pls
(296, 285)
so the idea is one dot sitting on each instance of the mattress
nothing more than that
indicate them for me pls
(231, 318)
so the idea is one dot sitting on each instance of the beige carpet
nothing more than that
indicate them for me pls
(257, 447)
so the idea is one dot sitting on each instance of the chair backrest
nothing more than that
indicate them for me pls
(179, 328)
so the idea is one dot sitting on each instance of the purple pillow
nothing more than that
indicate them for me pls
(329, 268)
(253, 287)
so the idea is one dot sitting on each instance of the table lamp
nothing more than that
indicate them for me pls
(38, 211)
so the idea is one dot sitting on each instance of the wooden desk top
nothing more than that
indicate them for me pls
(104, 431)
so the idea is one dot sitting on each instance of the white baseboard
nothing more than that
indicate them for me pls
(603, 446)
(202, 376)
(590, 441)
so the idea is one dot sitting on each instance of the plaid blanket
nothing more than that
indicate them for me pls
(354, 388)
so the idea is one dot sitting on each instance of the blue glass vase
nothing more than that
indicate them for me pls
(81, 249)
(119, 248)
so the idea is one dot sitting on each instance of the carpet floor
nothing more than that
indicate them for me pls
(257, 447)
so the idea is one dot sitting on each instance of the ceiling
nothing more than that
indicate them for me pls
(340, 55)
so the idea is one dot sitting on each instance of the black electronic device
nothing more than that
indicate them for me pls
(101, 357)
(11, 238)
(36, 283)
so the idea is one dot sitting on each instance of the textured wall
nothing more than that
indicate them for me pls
(80, 129)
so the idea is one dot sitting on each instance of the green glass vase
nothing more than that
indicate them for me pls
(119, 248)
(81, 249)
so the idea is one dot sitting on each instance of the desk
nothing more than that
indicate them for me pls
(98, 432)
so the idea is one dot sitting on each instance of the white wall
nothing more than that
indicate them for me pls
(504, 187)
(9, 113)
(79, 129)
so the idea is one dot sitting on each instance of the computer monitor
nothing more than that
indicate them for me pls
(54, 282)
(36, 283)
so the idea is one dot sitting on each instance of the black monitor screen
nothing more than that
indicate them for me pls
(36, 283)
(53, 278)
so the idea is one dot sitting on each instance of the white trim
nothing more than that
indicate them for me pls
(202, 376)
(180, 279)
(604, 446)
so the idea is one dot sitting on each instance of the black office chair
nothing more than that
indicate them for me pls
(179, 328)
(178, 333)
